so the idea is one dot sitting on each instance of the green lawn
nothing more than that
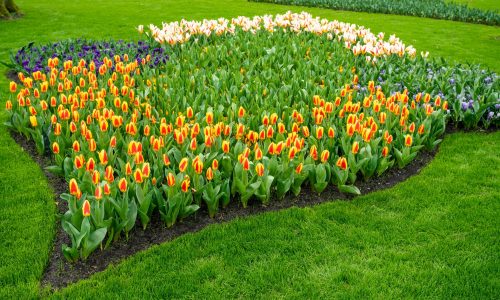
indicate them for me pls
(442, 240)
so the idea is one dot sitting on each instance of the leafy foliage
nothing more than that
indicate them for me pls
(437, 9)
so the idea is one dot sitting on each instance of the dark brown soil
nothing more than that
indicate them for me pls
(59, 272)
(12, 75)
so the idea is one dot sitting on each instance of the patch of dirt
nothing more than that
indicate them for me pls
(60, 273)
(12, 76)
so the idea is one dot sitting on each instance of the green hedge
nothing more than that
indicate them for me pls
(437, 9)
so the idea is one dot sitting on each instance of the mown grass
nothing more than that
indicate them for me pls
(425, 241)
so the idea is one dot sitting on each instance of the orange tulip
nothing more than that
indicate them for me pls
(193, 144)
(408, 140)
(166, 160)
(210, 174)
(98, 193)
(122, 185)
(138, 176)
(215, 164)
(355, 147)
(385, 151)
(185, 184)
(198, 166)
(411, 128)
(112, 142)
(421, 129)
(209, 117)
(342, 163)
(55, 148)
(259, 168)
(96, 176)
(189, 112)
(79, 161)
(8, 105)
(107, 189)
(128, 169)
(90, 165)
(274, 118)
(103, 157)
(225, 146)
(86, 208)
(183, 164)
(73, 187)
(325, 155)
(319, 132)
(292, 152)
(170, 179)
(313, 152)
(146, 170)
(331, 133)
(13, 87)
(179, 121)
(298, 170)
(92, 144)
(241, 112)
(108, 174)
(246, 164)
(281, 128)
(139, 158)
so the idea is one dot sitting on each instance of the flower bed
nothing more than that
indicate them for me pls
(244, 109)
(436, 9)
(33, 58)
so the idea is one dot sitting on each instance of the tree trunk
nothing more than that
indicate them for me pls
(11, 6)
(8, 9)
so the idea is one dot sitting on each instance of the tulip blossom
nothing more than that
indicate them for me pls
(259, 168)
(55, 148)
(355, 148)
(98, 194)
(170, 179)
(325, 154)
(73, 187)
(408, 140)
(122, 185)
(183, 164)
(185, 184)
(86, 208)
(342, 163)
(298, 170)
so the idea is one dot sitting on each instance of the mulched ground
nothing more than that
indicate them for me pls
(60, 273)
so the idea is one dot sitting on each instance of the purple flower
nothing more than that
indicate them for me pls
(465, 106)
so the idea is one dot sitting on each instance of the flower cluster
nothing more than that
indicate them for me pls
(33, 58)
(361, 40)
(125, 155)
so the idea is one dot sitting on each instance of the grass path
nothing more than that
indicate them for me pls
(27, 212)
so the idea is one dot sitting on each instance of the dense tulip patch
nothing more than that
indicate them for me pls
(237, 113)
(33, 58)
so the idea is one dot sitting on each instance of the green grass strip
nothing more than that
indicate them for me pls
(436, 9)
